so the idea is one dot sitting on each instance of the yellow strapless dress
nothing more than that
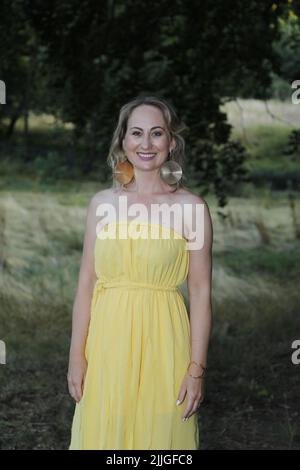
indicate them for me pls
(138, 344)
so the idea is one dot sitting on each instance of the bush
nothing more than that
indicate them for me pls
(52, 166)
(277, 180)
(293, 145)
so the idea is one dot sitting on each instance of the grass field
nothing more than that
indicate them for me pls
(252, 397)
(252, 387)
(264, 129)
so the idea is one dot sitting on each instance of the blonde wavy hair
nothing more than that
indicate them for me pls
(174, 129)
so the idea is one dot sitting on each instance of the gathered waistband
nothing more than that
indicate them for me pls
(131, 285)
(100, 286)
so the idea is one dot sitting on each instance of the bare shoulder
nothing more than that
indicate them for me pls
(105, 195)
(189, 197)
(196, 214)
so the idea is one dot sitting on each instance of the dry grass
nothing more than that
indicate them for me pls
(249, 113)
(251, 398)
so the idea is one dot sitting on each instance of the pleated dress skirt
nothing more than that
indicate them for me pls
(138, 344)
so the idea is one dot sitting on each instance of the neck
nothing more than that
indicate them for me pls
(148, 183)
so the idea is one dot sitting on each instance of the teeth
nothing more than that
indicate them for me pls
(147, 155)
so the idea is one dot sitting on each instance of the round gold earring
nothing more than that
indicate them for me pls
(171, 172)
(123, 172)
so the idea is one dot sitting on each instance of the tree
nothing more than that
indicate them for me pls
(98, 55)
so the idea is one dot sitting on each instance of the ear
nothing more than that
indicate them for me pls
(172, 144)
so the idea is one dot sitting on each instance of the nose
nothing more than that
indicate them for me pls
(146, 143)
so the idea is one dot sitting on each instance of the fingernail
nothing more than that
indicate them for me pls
(178, 401)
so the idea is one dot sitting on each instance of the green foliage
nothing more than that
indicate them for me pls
(277, 180)
(83, 60)
(221, 164)
(52, 166)
(287, 47)
(293, 146)
(280, 88)
(266, 261)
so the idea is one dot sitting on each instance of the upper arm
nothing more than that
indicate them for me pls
(200, 259)
(87, 274)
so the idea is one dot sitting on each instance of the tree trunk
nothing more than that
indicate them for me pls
(11, 126)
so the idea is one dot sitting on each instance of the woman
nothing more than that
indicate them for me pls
(137, 361)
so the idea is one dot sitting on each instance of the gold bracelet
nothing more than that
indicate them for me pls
(197, 376)
(200, 365)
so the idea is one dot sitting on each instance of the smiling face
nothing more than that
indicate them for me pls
(146, 142)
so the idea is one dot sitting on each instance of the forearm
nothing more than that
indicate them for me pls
(81, 319)
(200, 324)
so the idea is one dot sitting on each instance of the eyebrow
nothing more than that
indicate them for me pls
(155, 127)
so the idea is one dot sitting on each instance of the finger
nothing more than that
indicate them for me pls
(188, 408)
(72, 391)
(70, 387)
(81, 388)
(197, 404)
(181, 396)
(76, 393)
(194, 409)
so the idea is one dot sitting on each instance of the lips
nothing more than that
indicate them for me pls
(146, 156)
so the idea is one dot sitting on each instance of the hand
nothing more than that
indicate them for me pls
(195, 394)
(76, 377)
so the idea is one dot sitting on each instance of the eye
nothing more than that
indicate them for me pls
(155, 133)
